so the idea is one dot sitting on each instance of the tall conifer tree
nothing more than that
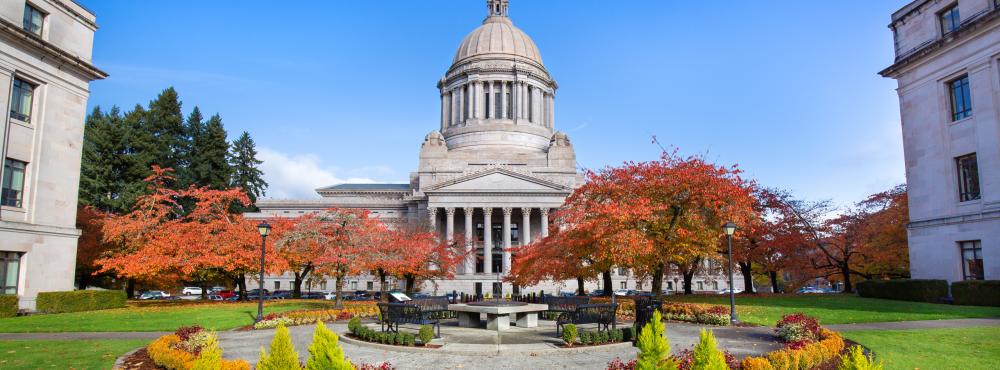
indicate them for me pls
(209, 166)
(166, 124)
(194, 128)
(246, 173)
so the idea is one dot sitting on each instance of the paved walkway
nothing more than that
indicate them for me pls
(922, 324)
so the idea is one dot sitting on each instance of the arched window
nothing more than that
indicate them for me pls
(531, 104)
(486, 99)
(497, 95)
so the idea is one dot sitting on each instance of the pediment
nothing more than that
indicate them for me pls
(497, 180)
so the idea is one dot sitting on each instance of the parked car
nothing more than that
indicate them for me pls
(191, 290)
(810, 290)
(225, 294)
(214, 297)
(567, 294)
(726, 291)
(154, 294)
(282, 294)
(216, 289)
(596, 293)
(312, 295)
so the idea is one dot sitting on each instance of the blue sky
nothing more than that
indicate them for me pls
(345, 90)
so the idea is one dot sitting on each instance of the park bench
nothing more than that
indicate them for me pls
(559, 305)
(434, 307)
(602, 314)
(394, 314)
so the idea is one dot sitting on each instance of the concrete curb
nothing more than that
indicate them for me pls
(120, 361)
(485, 349)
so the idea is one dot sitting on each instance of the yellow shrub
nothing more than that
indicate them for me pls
(234, 365)
(162, 353)
(756, 363)
(780, 360)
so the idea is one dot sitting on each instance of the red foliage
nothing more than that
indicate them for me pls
(808, 323)
(185, 332)
(617, 364)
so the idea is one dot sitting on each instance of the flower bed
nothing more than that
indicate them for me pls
(677, 311)
(364, 310)
(807, 346)
(186, 347)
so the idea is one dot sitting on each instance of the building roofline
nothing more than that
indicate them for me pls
(958, 35)
(48, 48)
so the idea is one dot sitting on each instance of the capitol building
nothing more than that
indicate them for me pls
(493, 170)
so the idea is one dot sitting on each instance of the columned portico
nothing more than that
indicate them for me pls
(487, 240)
(506, 239)
(470, 253)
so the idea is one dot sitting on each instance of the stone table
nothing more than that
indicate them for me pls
(498, 317)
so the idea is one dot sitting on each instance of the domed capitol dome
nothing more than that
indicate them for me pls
(498, 37)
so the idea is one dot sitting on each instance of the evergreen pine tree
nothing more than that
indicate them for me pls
(324, 351)
(654, 349)
(194, 128)
(282, 356)
(166, 124)
(246, 174)
(139, 148)
(209, 166)
(96, 170)
(706, 354)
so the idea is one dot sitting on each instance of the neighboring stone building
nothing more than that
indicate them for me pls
(45, 69)
(948, 69)
(492, 172)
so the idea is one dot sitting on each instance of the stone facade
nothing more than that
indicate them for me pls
(948, 58)
(496, 160)
(45, 69)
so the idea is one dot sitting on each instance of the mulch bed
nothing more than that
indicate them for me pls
(139, 361)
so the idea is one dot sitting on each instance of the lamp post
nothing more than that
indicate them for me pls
(729, 228)
(263, 228)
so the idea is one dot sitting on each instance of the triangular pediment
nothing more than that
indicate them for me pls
(497, 180)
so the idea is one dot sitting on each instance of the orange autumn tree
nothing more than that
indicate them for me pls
(300, 242)
(344, 237)
(415, 254)
(160, 239)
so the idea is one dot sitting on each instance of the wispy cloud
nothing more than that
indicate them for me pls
(297, 176)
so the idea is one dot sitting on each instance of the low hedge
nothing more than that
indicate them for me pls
(976, 292)
(8, 305)
(920, 290)
(80, 300)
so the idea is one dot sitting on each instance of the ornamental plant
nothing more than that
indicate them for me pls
(569, 334)
(426, 334)
(352, 325)
(282, 356)
(756, 363)
(325, 352)
(706, 354)
(855, 359)
(654, 349)
(798, 327)
(211, 356)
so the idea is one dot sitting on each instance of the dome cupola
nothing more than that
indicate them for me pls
(497, 93)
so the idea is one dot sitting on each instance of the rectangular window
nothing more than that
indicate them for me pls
(972, 260)
(10, 262)
(13, 183)
(950, 20)
(701, 285)
(20, 103)
(961, 98)
(33, 19)
(354, 285)
(322, 285)
(624, 285)
(968, 177)
(370, 285)
(277, 285)
(497, 102)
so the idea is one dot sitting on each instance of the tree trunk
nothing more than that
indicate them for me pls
(297, 286)
(130, 288)
(339, 290)
(657, 288)
(381, 286)
(846, 272)
(688, 276)
(84, 280)
(204, 291)
(241, 282)
(410, 281)
(580, 291)
(746, 268)
(774, 281)
(608, 289)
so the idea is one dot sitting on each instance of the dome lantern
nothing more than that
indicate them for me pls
(497, 8)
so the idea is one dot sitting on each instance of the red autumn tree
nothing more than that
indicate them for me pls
(419, 254)
(300, 242)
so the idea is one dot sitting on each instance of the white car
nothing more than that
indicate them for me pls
(621, 292)
(726, 291)
(191, 290)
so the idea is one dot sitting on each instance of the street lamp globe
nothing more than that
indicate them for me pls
(729, 228)
(264, 228)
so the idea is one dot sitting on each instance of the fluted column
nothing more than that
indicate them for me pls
(545, 221)
(444, 111)
(449, 224)
(525, 226)
(470, 255)
(503, 100)
(506, 239)
(552, 109)
(488, 240)
(432, 218)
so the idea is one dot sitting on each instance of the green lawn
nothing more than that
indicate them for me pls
(64, 354)
(838, 308)
(958, 348)
(221, 316)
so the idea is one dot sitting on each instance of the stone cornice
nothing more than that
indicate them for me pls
(498, 168)
(941, 221)
(47, 48)
(25, 228)
(972, 26)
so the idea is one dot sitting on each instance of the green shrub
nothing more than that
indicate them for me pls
(282, 356)
(920, 290)
(855, 359)
(8, 305)
(426, 334)
(353, 324)
(616, 335)
(654, 349)
(400, 339)
(631, 334)
(976, 292)
(569, 334)
(410, 339)
(325, 352)
(585, 338)
(706, 354)
(79, 300)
